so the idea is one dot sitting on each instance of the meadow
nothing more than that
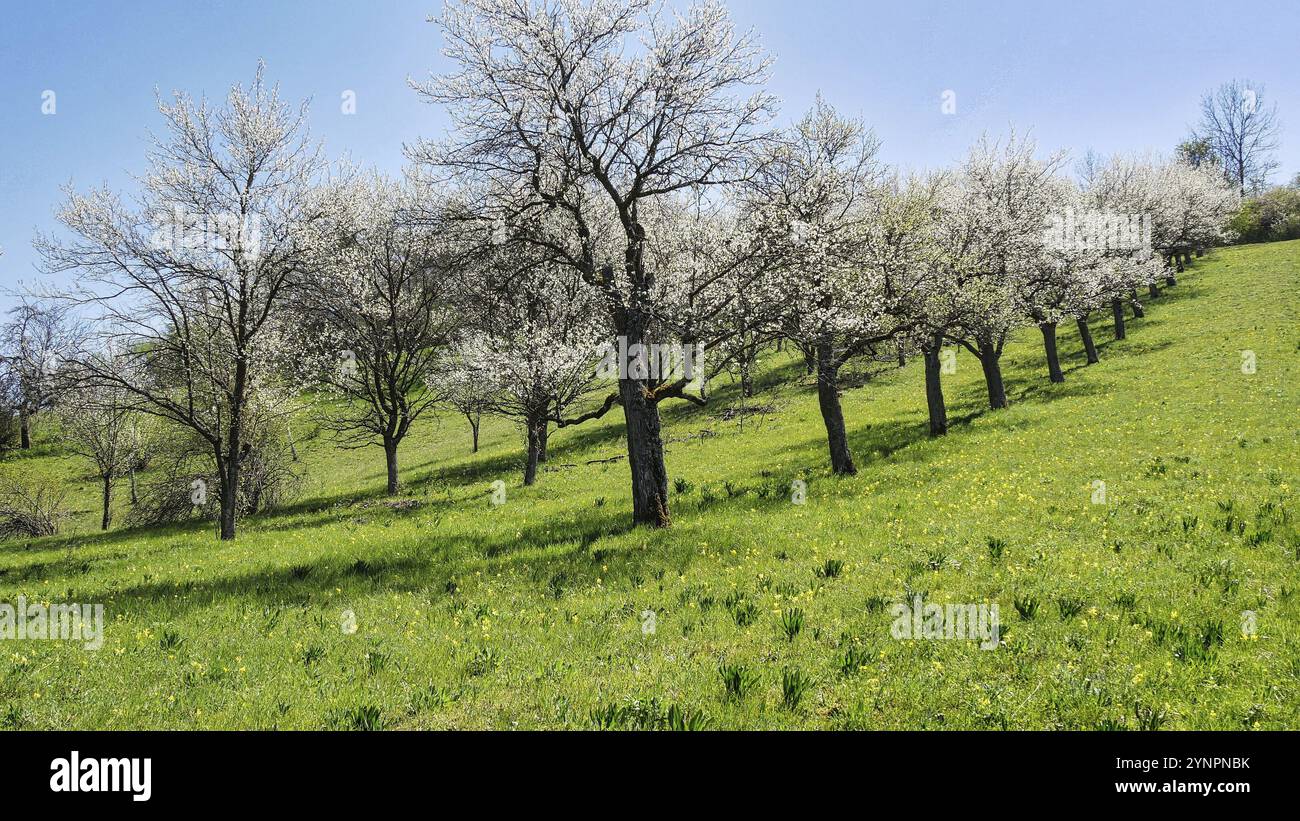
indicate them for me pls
(1171, 605)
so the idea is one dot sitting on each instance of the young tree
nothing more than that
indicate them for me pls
(550, 100)
(1242, 129)
(97, 425)
(467, 393)
(388, 302)
(192, 285)
(534, 335)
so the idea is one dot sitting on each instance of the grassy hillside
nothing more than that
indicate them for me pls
(529, 614)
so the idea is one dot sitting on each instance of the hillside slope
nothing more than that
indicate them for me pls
(533, 613)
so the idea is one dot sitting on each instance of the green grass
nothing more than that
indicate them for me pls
(532, 615)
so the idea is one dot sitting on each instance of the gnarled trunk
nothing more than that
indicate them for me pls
(989, 360)
(828, 398)
(934, 389)
(1085, 333)
(1117, 308)
(645, 454)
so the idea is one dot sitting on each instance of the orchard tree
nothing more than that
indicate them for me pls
(532, 346)
(1193, 207)
(557, 102)
(465, 391)
(191, 284)
(387, 302)
(1128, 190)
(812, 192)
(991, 236)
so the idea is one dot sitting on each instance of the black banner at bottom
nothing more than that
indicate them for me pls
(149, 770)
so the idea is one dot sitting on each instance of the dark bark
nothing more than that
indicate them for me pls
(108, 503)
(531, 454)
(934, 389)
(474, 420)
(989, 360)
(1154, 290)
(1117, 308)
(25, 429)
(1138, 312)
(1054, 371)
(828, 398)
(390, 460)
(645, 454)
(229, 471)
(1085, 333)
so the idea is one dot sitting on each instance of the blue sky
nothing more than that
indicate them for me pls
(1108, 75)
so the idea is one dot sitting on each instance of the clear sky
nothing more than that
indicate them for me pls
(1112, 75)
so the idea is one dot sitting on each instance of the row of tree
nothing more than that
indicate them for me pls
(596, 204)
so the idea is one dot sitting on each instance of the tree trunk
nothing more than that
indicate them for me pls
(532, 453)
(746, 376)
(1138, 312)
(390, 460)
(1085, 333)
(989, 356)
(108, 503)
(1154, 290)
(543, 439)
(229, 497)
(934, 389)
(902, 355)
(135, 499)
(645, 453)
(474, 420)
(828, 397)
(1054, 372)
(1117, 308)
(25, 429)
(1200, 252)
